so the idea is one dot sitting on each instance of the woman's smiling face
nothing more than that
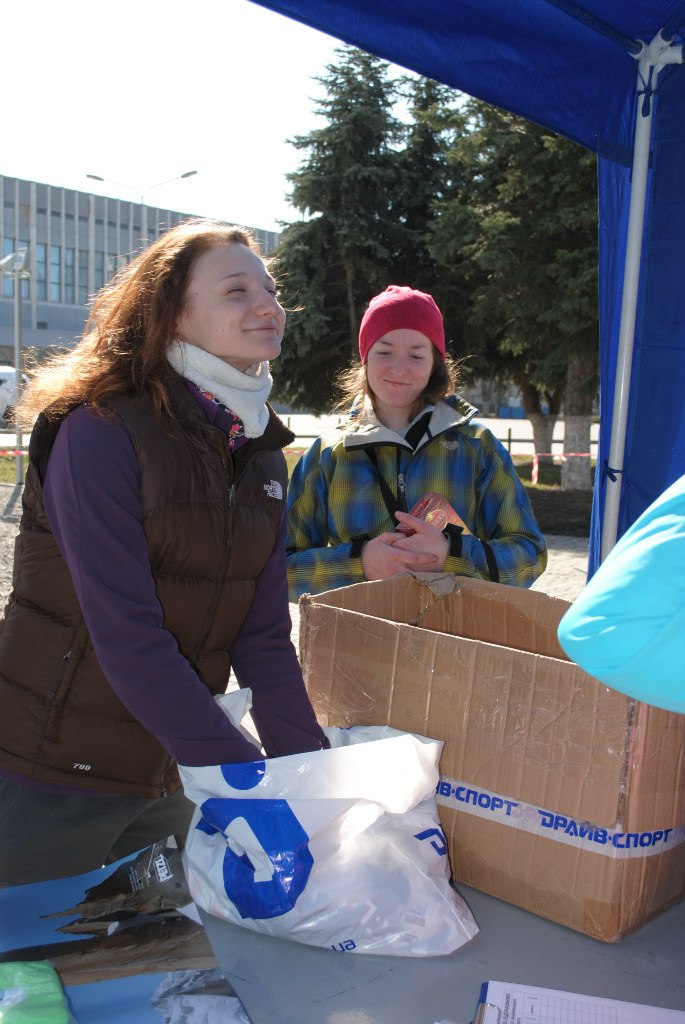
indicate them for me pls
(398, 368)
(231, 309)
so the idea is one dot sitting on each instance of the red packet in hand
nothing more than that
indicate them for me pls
(433, 508)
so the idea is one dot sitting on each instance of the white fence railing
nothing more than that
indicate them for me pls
(515, 435)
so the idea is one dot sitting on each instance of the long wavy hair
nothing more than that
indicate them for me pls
(131, 324)
(353, 384)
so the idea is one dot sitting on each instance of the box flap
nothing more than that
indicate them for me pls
(523, 725)
(498, 614)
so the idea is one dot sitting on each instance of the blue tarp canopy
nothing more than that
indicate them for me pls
(604, 73)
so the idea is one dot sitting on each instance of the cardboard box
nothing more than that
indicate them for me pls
(557, 794)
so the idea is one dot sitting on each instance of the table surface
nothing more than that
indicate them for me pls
(282, 982)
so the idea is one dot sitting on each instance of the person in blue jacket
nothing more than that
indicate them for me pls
(627, 627)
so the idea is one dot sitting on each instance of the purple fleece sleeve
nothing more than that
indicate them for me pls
(92, 501)
(264, 658)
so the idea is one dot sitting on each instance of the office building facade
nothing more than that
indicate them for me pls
(76, 241)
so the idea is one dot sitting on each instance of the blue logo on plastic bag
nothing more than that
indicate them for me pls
(269, 884)
(244, 776)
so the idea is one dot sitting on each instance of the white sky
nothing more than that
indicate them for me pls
(139, 91)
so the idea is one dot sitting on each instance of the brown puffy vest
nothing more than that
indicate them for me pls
(211, 521)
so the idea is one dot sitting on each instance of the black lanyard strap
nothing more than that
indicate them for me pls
(393, 502)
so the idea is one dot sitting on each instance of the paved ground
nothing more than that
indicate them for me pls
(566, 567)
(10, 510)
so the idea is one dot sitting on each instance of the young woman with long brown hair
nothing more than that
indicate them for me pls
(150, 560)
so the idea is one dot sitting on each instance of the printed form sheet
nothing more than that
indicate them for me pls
(507, 1003)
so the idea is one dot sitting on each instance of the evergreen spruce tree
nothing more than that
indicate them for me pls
(525, 221)
(428, 180)
(338, 257)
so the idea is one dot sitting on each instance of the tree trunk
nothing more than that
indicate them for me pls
(543, 432)
(576, 472)
(543, 423)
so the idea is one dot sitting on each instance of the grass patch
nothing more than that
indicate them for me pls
(8, 469)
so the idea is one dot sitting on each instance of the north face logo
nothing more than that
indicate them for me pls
(274, 489)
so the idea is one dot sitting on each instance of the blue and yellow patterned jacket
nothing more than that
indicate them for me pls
(335, 498)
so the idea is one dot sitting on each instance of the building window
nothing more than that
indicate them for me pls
(55, 281)
(82, 286)
(69, 271)
(41, 271)
(99, 270)
(7, 282)
(25, 281)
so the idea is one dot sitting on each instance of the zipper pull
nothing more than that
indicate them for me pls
(231, 495)
(400, 483)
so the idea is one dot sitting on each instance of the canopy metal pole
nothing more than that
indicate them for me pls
(654, 57)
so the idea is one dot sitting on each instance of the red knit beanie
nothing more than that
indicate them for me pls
(400, 307)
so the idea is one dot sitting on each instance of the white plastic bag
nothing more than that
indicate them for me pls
(340, 848)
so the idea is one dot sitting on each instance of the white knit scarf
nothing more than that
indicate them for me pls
(244, 393)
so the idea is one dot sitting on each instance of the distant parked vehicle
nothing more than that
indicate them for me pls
(8, 393)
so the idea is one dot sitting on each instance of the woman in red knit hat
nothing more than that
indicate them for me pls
(410, 444)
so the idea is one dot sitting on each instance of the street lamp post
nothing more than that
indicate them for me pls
(141, 195)
(16, 265)
(168, 181)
